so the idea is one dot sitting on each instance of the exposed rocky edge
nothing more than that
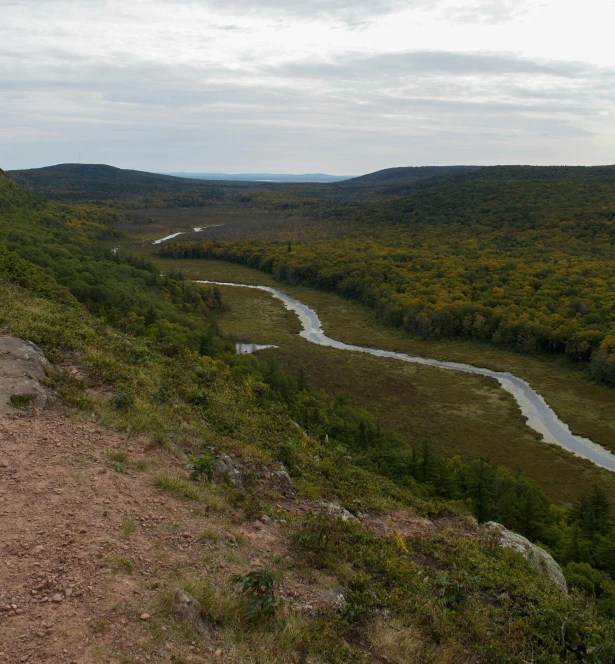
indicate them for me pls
(536, 557)
(22, 366)
(188, 609)
(257, 478)
(283, 480)
(225, 470)
(336, 511)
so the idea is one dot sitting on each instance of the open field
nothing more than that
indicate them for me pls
(456, 413)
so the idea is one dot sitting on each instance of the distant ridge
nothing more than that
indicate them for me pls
(265, 177)
(404, 175)
(100, 182)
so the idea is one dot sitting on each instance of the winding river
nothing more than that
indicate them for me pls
(534, 408)
(198, 229)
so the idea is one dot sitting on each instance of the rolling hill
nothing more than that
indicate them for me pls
(71, 182)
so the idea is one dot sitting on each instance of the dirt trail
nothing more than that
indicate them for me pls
(90, 551)
(75, 580)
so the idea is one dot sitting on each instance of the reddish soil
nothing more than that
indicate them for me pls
(88, 553)
(66, 591)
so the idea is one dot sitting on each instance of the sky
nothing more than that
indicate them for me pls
(285, 86)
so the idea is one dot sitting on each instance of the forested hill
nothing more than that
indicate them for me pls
(405, 181)
(98, 182)
(400, 177)
(10, 193)
(504, 197)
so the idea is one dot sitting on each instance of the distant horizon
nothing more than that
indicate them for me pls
(194, 172)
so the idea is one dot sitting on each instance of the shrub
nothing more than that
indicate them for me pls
(259, 588)
(202, 465)
(122, 399)
(21, 401)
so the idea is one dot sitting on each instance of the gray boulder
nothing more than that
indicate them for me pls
(188, 609)
(22, 366)
(535, 556)
(225, 470)
(283, 480)
(336, 511)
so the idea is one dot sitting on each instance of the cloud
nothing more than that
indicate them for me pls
(281, 86)
(361, 65)
(344, 9)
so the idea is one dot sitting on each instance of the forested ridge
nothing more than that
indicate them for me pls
(518, 257)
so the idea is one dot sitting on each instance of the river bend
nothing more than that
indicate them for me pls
(533, 407)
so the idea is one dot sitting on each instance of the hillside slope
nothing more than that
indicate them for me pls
(260, 494)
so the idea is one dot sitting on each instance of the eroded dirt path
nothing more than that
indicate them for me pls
(83, 546)
(91, 551)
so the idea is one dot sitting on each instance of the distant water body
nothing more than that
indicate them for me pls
(243, 349)
(198, 229)
(320, 178)
(539, 416)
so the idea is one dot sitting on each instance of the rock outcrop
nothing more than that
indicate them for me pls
(225, 470)
(535, 556)
(188, 609)
(336, 511)
(22, 366)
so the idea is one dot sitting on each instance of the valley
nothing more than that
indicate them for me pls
(329, 440)
(455, 414)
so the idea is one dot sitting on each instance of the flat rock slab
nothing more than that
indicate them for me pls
(22, 366)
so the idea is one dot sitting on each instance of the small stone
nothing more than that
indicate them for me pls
(39, 548)
(264, 519)
(57, 598)
(68, 592)
(257, 525)
(230, 538)
(255, 562)
(218, 653)
(186, 535)
(3, 464)
(145, 616)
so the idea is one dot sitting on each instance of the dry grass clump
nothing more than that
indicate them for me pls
(390, 637)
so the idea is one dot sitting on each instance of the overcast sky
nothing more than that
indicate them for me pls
(336, 86)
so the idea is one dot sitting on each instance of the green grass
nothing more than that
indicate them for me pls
(176, 485)
(456, 413)
(128, 528)
(21, 401)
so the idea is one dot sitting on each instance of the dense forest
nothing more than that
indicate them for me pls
(518, 257)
